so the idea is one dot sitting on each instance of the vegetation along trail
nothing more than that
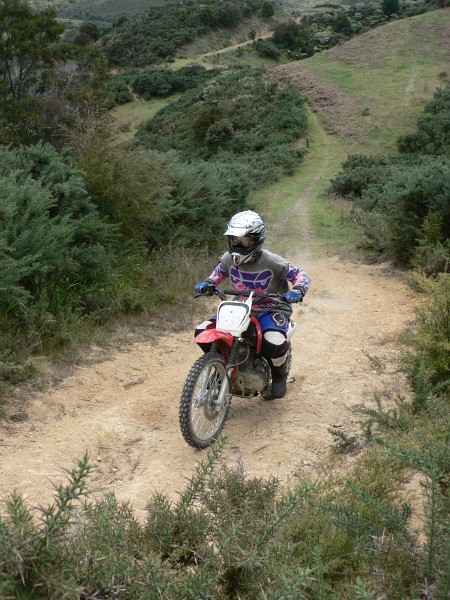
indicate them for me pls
(124, 411)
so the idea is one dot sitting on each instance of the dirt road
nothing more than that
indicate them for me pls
(124, 411)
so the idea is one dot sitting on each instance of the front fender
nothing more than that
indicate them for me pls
(222, 339)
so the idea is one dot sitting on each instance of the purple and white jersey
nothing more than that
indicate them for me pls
(268, 274)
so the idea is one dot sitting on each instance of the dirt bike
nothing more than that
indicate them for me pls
(231, 366)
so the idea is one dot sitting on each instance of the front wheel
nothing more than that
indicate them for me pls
(202, 417)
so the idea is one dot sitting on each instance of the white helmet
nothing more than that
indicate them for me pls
(246, 234)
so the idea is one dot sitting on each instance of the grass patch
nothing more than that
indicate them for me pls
(129, 116)
(179, 62)
(246, 55)
(298, 207)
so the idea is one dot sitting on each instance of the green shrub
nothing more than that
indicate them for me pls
(121, 92)
(129, 188)
(51, 235)
(429, 356)
(154, 82)
(432, 253)
(396, 195)
(433, 128)
(236, 117)
(286, 35)
(407, 199)
(218, 541)
(30, 555)
(359, 172)
(267, 49)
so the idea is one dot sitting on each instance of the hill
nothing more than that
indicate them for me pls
(156, 35)
(106, 10)
(406, 59)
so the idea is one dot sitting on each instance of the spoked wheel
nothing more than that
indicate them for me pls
(201, 416)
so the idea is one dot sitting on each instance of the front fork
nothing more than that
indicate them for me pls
(224, 394)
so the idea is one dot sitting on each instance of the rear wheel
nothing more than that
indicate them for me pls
(266, 394)
(201, 416)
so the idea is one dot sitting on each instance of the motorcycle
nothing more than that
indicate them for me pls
(231, 366)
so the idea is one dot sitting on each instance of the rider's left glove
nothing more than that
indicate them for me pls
(294, 296)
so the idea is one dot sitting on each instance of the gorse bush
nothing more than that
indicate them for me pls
(429, 357)
(407, 199)
(217, 541)
(157, 34)
(155, 198)
(432, 253)
(433, 128)
(74, 245)
(52, 236)
(127, 187)
(158, 82)
(237, 118)
(415, 431)
(227, 536)
(267, 49)
(30, 552)
(404, 199)
(197, 206)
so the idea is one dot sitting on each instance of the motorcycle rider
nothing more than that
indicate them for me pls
(254, 269)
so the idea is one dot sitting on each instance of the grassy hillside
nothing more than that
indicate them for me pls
(108, 10)
(372, 88)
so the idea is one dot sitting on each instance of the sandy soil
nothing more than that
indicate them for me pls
(124, 411)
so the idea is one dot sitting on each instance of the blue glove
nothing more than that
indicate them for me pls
(294, 296)
(202, 287)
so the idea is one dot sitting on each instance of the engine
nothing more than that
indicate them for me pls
(253, 375)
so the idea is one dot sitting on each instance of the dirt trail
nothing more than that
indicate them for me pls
(124, 411)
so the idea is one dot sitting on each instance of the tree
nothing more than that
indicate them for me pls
(267, 10)
(390, 7)
(286, 35)
(91, 30)
(305, 41)
(26, 47)
(267, 49)
(208, 15)
(28, 54)
(229, 15)
(342, 24)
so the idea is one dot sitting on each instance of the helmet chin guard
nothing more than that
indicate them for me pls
(246, 234)
(239, 259)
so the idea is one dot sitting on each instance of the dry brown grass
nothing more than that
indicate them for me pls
(335, 105)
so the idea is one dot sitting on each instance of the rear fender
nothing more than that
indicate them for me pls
(222, 339)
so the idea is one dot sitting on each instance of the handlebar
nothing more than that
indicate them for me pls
(281, 306)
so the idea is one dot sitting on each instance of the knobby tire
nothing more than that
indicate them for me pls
(201, 421)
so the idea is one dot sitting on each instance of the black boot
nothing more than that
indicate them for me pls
(279, 379)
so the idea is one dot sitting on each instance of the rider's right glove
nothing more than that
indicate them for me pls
(293, 296)
(203, 287)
